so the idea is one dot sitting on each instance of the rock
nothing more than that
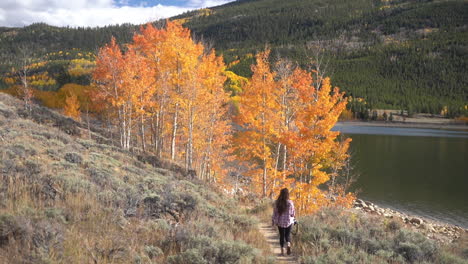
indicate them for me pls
(429, 227)
(416, 221)
(423, 226)
(387, 215)
(361, 203)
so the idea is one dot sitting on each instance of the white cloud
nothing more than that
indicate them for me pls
(14, 13)
(207, 3)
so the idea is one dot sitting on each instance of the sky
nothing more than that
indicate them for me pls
(74, 13)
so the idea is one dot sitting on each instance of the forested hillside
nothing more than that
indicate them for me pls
(395, 54)
(398, 54)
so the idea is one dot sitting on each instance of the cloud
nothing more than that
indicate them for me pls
(207, 3)
(17, 13)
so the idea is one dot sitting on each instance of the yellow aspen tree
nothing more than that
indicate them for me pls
(288, 103)
(313, 139)
(212, 129)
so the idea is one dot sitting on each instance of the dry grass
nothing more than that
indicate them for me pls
(64, 199)
(339, 236)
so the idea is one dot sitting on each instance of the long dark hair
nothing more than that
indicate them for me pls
(282, 201)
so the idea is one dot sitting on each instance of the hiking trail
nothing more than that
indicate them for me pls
(271, 235)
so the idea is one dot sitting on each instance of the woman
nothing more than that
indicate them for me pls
(283, 217)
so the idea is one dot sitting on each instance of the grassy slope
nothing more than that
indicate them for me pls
(68, 199)
(350, 236)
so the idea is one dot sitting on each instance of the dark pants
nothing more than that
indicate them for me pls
(285, 234)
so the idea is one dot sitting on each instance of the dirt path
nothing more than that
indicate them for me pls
(271, 235)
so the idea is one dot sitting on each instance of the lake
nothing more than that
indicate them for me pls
(418, 171)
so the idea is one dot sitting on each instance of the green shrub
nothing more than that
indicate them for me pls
(394, 226)
(153, 251)
(410, 251)
(8, 227)
(261, 207)
(162, 225)
(233, 251)
(191, 256)
(100, 176)
(75, 183)
(448, 258)
(55, 213)
(465, 253)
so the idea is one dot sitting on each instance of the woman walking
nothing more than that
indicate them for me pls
(283, 217)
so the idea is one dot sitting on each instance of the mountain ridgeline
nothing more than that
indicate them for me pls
(402, 54)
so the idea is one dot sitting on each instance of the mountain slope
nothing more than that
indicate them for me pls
(66, 198)
(396, 54)
(399, 54)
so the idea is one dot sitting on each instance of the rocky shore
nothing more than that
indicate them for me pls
(441, 232)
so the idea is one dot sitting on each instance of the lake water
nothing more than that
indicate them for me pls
(419, 171)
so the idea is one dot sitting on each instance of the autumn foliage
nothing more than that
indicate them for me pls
(286, 138)
(166, 91)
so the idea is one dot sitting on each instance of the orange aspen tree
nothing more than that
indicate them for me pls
(138, 78)
(259, 115)
(174, 56)
(151, 43)
(108, 77)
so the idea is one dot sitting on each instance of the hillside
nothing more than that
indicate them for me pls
(65, 198)
(400, 54)
(396, 54)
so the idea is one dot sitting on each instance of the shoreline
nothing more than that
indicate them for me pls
(404, 124)
(438, 230)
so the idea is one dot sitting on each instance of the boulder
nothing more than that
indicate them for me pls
(416, 221)
(360, 203)
(387, 215)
